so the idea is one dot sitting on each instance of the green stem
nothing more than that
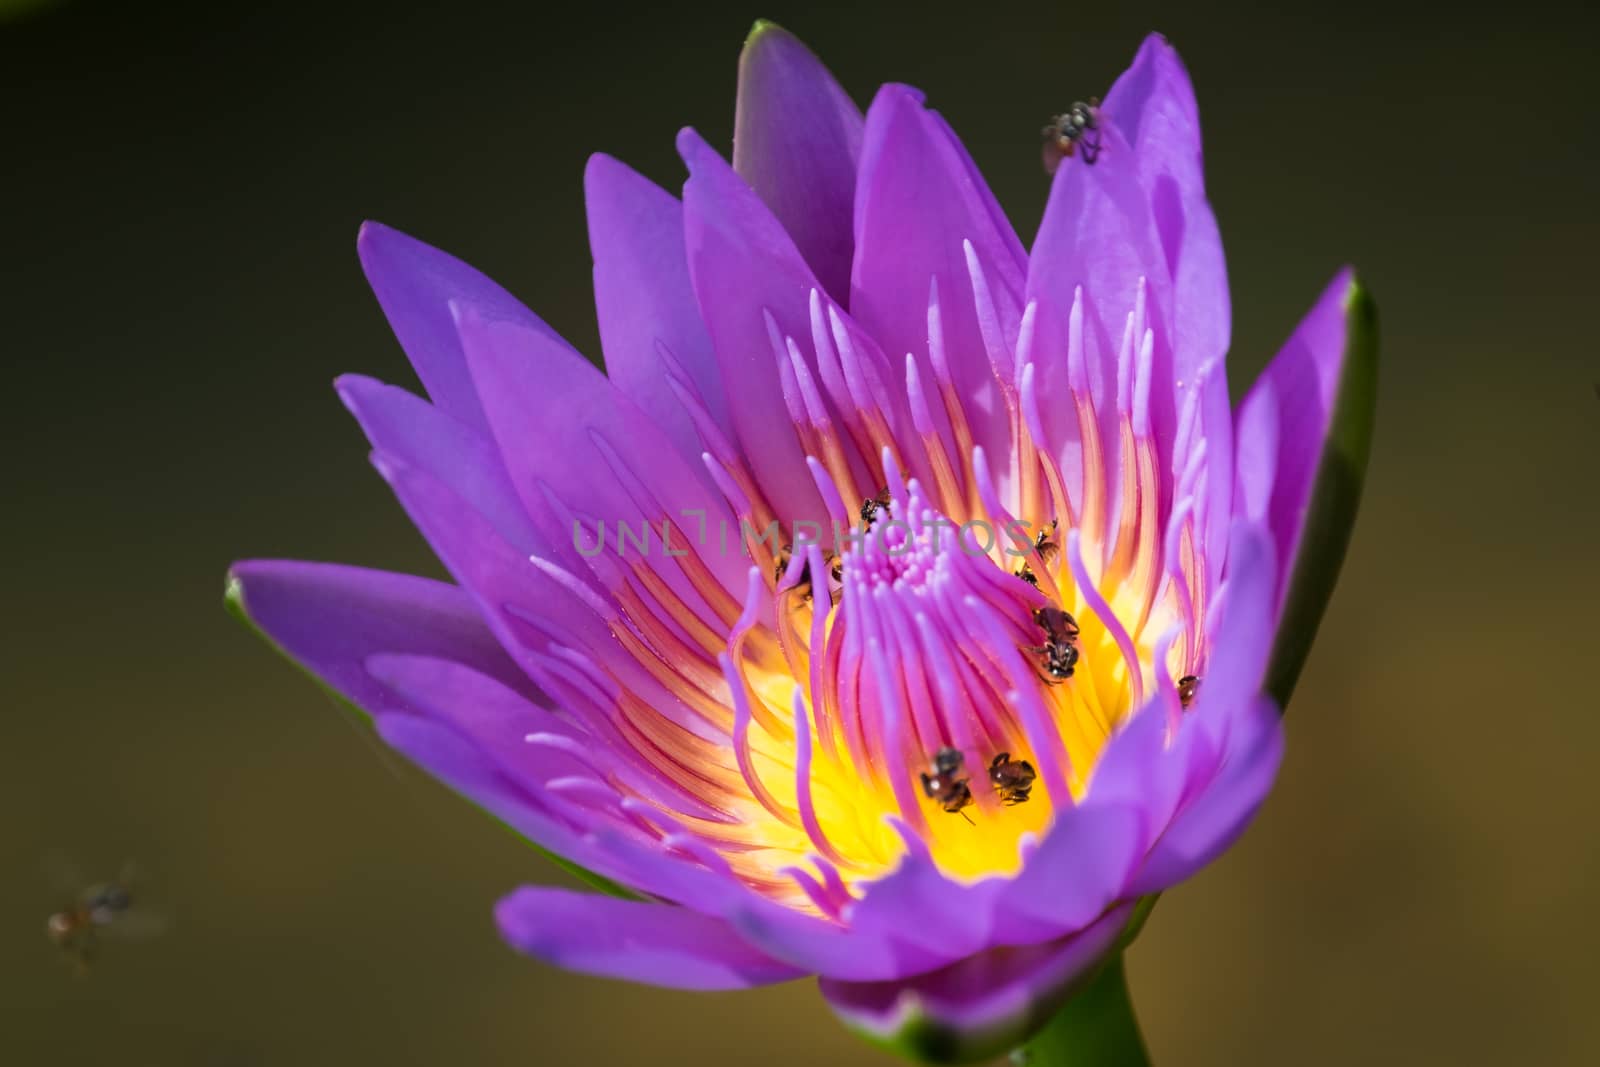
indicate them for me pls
(1095, 1028)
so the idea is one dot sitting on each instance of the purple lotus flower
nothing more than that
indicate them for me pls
(904, 607)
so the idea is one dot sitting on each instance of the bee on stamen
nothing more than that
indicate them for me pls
(1188, 685)
(1060, 651)
(1075, 132)
(1012, 779)
(944, 786)
(802, 584)
(1025, 572)
(873, 506)
(1045, 544)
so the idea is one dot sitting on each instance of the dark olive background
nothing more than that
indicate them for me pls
(181, 191)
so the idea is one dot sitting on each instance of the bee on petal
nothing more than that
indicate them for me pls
(1074, 132)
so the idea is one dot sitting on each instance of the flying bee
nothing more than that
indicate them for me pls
(1188, 685)
(1012, 779)
(952, 793)
(1075, 132)
(873, 506)
(102, 909)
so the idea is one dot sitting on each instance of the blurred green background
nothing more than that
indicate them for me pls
(180, 195)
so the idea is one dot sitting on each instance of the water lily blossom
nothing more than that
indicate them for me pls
(902, 606)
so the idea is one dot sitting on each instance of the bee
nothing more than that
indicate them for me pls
(1046, 548)
(1075, 132)
(1060, 651)
(1060, 625)
(951, 792)
(1188, 685)
(873, 506)
(102, 909)
(1060, 659)
(802, 584)
(1044, 543)
(1012, 779)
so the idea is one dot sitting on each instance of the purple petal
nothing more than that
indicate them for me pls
(978, 1007)
(1305, 432)
(332, 618)
(1283, 420)
(459, 764)
(1206, 827)
(459, 455)
(1153, 105)
(547, 620)
(796, 139)
(745, 266)
(559, 424)
(644, 299)
(500, 722)
(920, 197)
(1078, 870)
(1098, 232)
(660, 944)
(415, 285)
(1229, 743)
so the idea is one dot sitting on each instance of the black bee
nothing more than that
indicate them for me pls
(1075, 132)
(1012, 779)
(1060, 659)
(951, 792)
(1045, 547)
(1060, 625)
(1045, 543)
(1188, 685)
(1060, 651)
(871, 507)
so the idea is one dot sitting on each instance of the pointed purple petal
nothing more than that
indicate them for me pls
(332, 618)
(660, 944)
(1153, 105)
(644, 299)
(415, 284)
(744, 266)
(920, 197)
(796, 139)
(459, 455)
(1305, 432)
(554, 417)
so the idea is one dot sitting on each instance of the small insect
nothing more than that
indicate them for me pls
(102, 909)
(802, 583)
(1045, 543)
(1060, 659)
(873, 506)
(1188, 685)
(1025, 572)
(1060, 651)
(1012, 779)
(952, 793)
(1075, 132)
(1060, 625)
